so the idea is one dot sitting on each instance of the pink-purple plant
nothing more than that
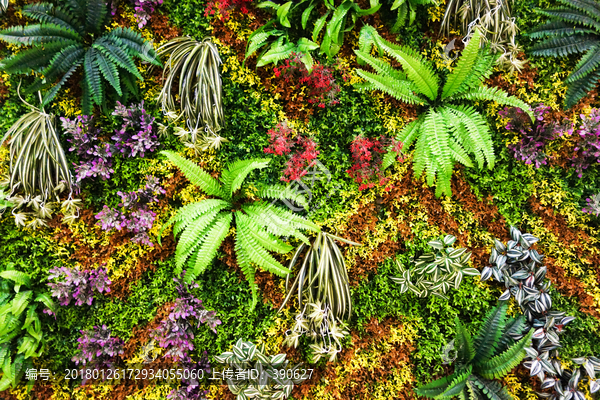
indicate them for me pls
(72, 283)
(593, 205)
(136, 135)
(176, 332)
(134, 214)
(95, 155)
(97, 348)
(588, 146)
(144, 9)
(534, 136)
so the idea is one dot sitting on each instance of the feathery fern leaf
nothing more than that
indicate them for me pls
(440, 386)
(18, 277)
(235, 174)
(463, 67)
(280, 192)
(210, 244)
(196, 175)
(490, 332)
(503, 363)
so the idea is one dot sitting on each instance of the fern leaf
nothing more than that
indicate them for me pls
(383, 68)
(502, 364)
(254, 250)
(464, 343)
(264, 239)
(49, 14)
(406, 135)
(35, 34)
(436, 130)
(194, 235)
(277, 52)
(463, 67)
(86, 98)
(590, 7)
(280, 192)
(487, 338)
(49, 96)
(472, 132)
(96, 11)
(135, 44)
(579, 89)
(92, 76)
(196, 175)
(190, 212)
(235, 174)
(208, 250)
(497, 95)
(491, 389)
(588, 64)
(438, 387)
(248, 270)
(109, 70)
(46, 300)
(34, 58)
(18, 277)
(112, 48)
(482, 69)
(571, 15)
(563, 46)
(282, 222)
(400, 90)
(20, 302)
(557, 29)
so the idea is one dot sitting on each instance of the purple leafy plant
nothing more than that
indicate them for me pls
(588, 146)
(77, 285)
(133, 213)
(97, 349)
(534, 135)
(144, 9)
(95, 155)
(136, 135)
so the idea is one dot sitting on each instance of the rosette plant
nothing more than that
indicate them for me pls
(498, 347)
(203, 226)
(71, 35)
(448, 129)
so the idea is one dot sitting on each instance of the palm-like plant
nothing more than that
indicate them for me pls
(573, 28)
(194, 66)
(71, 35)
(203, 226)
(498, 348)
(446, 131)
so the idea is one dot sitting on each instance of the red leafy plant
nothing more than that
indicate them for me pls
(222, 7)
(367, 157)
(320, 83)
(282, 143)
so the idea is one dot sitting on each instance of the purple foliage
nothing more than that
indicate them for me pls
(97, 349)
(78, 285)
(588, 147)
(95, 155)
(593, 205)
(136, 135)
(534, 137)
(143, 10)
(176, 332)
(190, 388)
(134, 214)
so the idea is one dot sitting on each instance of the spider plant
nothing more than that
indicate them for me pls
(3, 6)
(322, 278)
(193, 67)
(38, 166)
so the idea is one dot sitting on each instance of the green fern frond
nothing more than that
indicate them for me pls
(280, 192)
(473, 133)
(264, 239)
(96, 11)
(109, 71)
(482, 70)
(590, 7)
(439, 388)
(400, 90)
(49, 14)
(503, 363)
(38, 34)
(196, 175)
(563, 46)
(245, 263)
(557, 28)
(490, 332)
(193, 235)
(464, 343)
(18, 277)
(463, 66)
(587, 65)
(34, 58)
(498, 95)
(191, 212)
(134, 44)
(210, 244)
(580, 88)
(233, 177)
(436, 129)
(383, 67)
(92, 76)
(406, 135)
(112, 47)
(277, 51)
(49, 96)
(491, 389)
(572, 16)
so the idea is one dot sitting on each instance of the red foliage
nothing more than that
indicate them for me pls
(282, 144)
(320, 82)
(223, 7)
(367, 155)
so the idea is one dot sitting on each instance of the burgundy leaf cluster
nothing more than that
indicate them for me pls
(588, 145)
(367, 157)
(176, 332)
(77, 285)
(321, 85)
(222, 7)
(133, 213)
(534, 135)
(97, 348)
(304, 148)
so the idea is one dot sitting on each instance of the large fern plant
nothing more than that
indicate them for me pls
(448, 129)
(71, 35)
(492, 354)
(573, 28)
(203, 226)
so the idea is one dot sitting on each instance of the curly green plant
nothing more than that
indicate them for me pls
(573, 28)
(498, 348)
(323, 296)
(447, 130)
(71, 35)
(438, 270)
(297, 17)
(269, 377)
(203, 226)
(193, 66)
(21, 336)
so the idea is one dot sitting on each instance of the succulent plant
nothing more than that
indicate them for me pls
(274, 378)
(437, 271)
